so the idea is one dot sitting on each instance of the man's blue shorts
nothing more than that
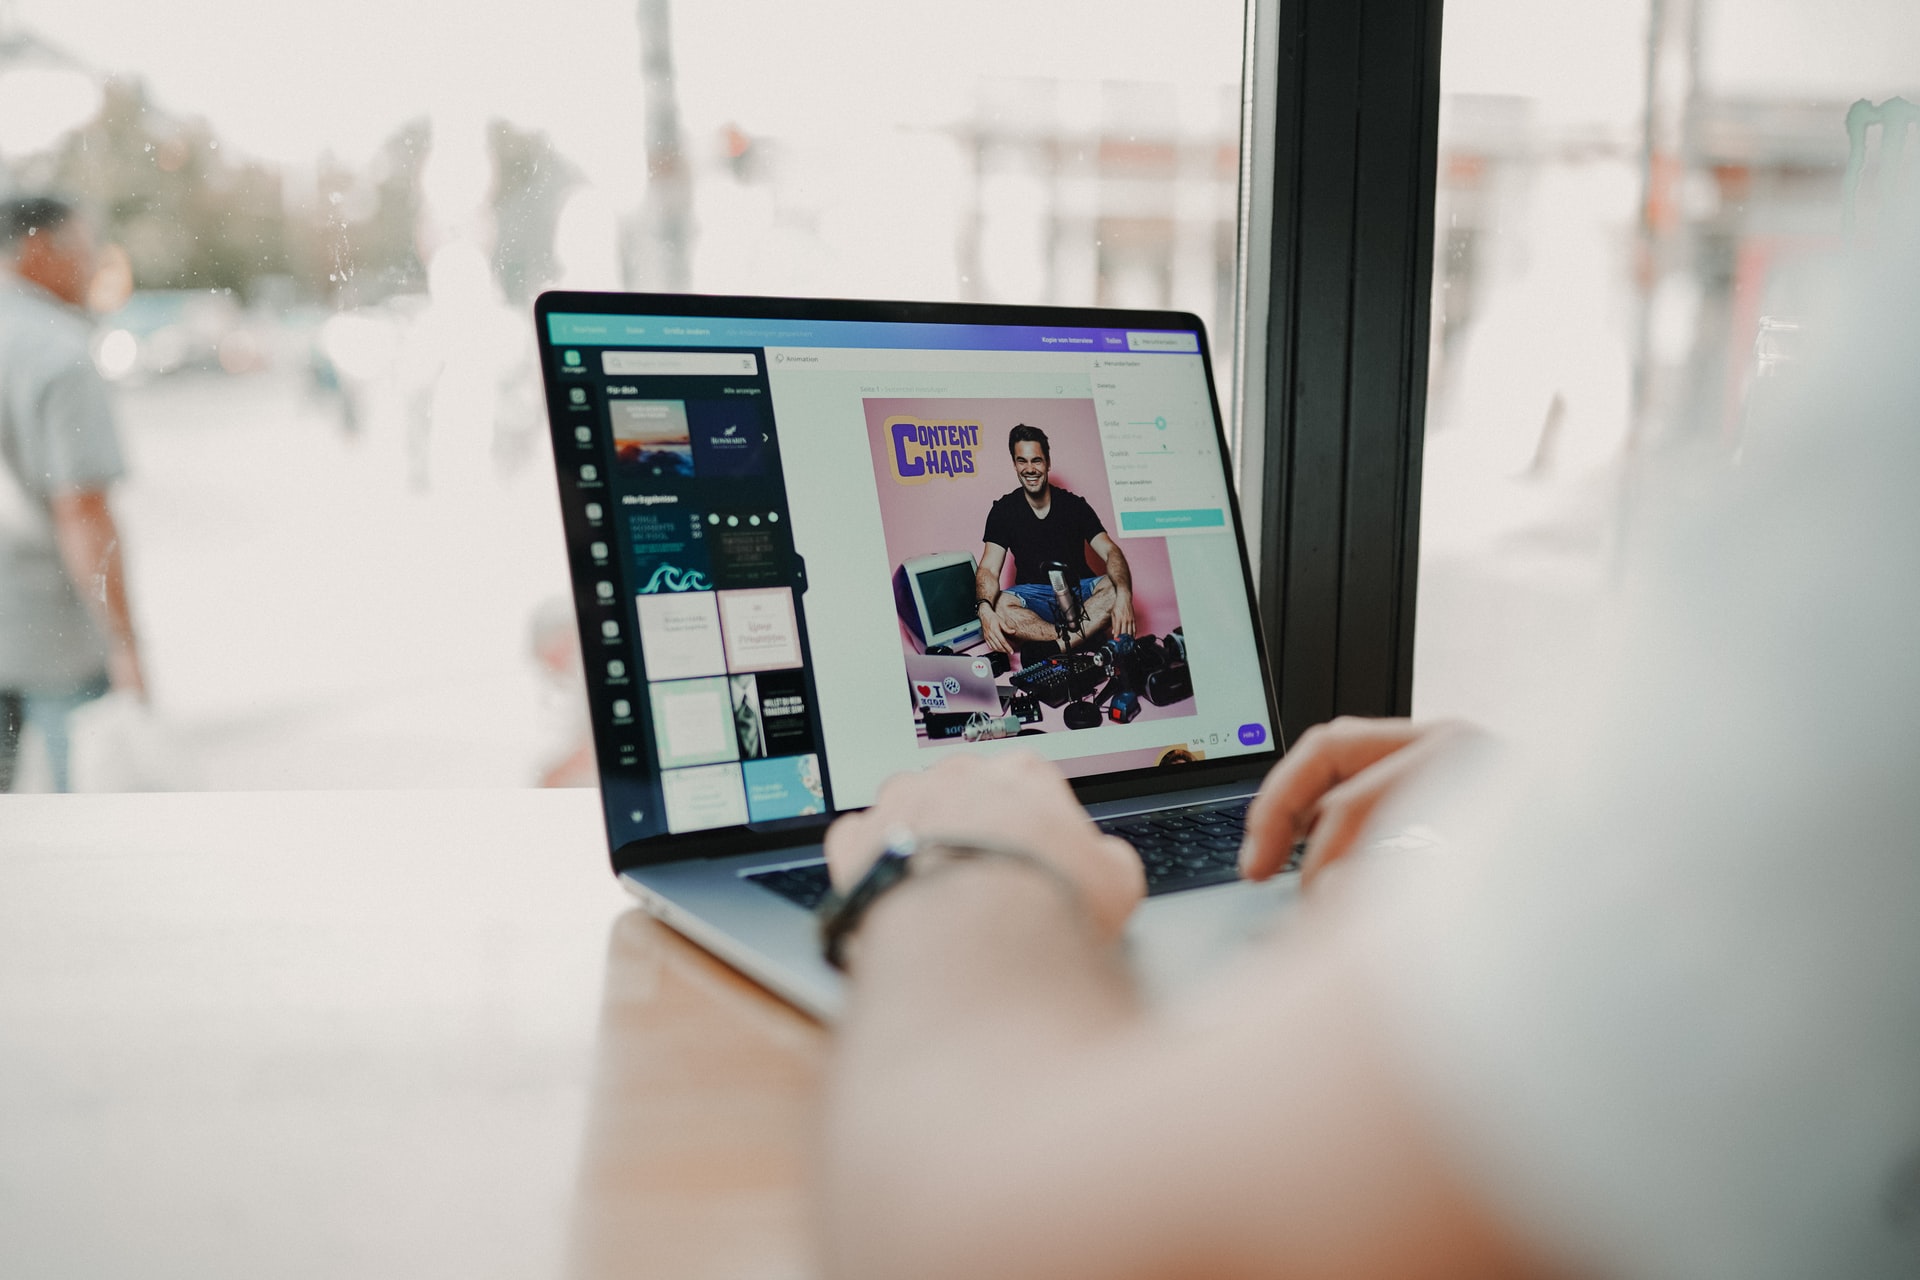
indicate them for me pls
(1038, 596)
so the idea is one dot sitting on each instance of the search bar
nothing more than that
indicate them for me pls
(1162, 342)
(716, 363)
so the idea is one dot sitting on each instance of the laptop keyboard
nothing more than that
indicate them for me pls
(1185, 848)
(1181, 849)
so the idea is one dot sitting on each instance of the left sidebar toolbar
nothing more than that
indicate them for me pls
(584, 457)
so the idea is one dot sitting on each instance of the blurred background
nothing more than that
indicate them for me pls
(326, 227)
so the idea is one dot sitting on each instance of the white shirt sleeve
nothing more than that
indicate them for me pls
(1663, 998)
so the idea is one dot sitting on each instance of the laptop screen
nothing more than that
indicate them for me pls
(772, 517)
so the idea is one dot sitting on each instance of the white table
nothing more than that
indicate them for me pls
(376, 1034)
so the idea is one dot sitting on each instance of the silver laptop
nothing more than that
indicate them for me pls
(782, 512)
(955, 685)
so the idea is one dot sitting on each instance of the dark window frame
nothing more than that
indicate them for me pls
(1347, 275)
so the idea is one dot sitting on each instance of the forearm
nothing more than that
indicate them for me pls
(986, 586)
(1118, 572)
(977, 950)
(1267, 1132)
(89, 543)
(1002, 1105)
(977, 995)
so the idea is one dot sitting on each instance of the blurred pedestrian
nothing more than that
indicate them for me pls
(569, 759)
(66, 634)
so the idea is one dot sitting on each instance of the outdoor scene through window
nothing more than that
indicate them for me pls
(1637, 201)
(317, 240)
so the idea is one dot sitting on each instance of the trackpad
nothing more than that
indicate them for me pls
(1180, 938)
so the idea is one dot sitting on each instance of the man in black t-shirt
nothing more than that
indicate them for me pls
(1042, 524)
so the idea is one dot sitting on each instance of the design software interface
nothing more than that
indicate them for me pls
(811, 553)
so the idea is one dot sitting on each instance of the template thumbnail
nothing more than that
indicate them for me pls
(749, 725)
(730, 437)
(693, 722)
(786, 719)
(651, 436)
(762, 632)
(704, 798)
(785, 788)
(680, 635)
(669, 550)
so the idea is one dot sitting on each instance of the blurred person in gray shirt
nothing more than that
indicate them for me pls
(65, 630)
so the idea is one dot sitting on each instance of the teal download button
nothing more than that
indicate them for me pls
(1147, 521)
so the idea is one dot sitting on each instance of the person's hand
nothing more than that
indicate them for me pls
(1329, 785)
(991, 630)
(1123, 620)
(1018, 800)
(124, 672)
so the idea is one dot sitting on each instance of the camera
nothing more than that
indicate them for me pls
(1110, 679)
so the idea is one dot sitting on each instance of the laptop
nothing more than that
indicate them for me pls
(773, 508)
(953, 685)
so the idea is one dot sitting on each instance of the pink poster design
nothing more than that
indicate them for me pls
(939, 466)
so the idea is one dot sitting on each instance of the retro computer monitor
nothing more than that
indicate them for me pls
(939, 605)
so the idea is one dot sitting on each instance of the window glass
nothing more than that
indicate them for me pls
(319, 238)
(1634, 199)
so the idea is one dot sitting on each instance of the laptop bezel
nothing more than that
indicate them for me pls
(1147, 783)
